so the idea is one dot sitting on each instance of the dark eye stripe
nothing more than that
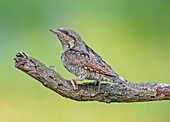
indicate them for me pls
(66, 32)
(72, 37)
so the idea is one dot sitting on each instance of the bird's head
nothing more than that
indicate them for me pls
(68, 38)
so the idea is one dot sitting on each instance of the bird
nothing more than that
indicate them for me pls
(84, 62)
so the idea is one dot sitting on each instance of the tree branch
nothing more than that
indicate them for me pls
(88, 91)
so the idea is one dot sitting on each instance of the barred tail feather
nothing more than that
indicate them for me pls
(127, 84)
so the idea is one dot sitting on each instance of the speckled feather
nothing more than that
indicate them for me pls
(91, 62)
(83, 62)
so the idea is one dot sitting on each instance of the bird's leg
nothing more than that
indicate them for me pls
(74, 83)
(97, 83)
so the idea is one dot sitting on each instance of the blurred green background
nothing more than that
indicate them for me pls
(133, 36)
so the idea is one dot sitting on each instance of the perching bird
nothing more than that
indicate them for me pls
(84, 62)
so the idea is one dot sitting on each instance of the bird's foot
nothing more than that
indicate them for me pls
(97, 83)
(74, 83)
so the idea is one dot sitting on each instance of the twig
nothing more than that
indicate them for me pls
(88, 91)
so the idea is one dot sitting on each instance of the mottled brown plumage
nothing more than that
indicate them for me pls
(84, 62)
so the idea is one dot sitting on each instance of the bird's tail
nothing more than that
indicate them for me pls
(126, 83)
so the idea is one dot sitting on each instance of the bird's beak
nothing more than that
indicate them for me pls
(56, 31)
(53, 30)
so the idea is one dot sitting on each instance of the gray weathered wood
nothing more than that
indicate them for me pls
(88, 91)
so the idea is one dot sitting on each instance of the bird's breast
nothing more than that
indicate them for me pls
(69, 63)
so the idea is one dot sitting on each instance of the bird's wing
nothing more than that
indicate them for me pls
(100, 66)
(93, 63)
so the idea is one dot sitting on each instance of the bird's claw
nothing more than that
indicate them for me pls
(97, 83)
(74, 84)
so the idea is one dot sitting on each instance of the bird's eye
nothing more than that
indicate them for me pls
(66, 32)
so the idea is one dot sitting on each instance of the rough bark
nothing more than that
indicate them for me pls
(108, 93)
